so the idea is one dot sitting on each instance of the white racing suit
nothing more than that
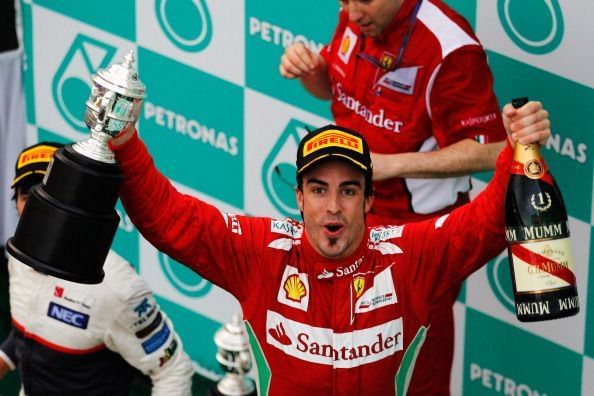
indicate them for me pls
(80, 339)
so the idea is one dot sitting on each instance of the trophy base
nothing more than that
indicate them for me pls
(234, 386)
(215, 392)
(50, 269)
(69, 221)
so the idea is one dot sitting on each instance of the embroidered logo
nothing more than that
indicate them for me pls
(293, 289)
(349, 40)
(359, 285)
(58, 291)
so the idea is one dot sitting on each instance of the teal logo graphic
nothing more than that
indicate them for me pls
(278, 170)
(499, 275)
(186, 23)
(72, 83)
(536, 26)
(184, 279)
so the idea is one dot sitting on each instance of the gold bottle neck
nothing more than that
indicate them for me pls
(526, 152)
(529, 161)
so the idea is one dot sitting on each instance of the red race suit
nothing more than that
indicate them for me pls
(316, 326)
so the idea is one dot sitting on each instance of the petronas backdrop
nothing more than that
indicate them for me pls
(218, 119)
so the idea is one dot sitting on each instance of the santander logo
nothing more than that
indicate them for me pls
(279, 334)
(324, 346)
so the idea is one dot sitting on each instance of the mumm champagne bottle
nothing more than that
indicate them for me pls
(537, 235)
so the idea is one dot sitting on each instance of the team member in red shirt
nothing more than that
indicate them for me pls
(332, 306)
(412, 77)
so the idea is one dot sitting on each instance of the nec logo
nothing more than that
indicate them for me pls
(68, 316)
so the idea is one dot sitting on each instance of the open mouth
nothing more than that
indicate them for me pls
(333, 229)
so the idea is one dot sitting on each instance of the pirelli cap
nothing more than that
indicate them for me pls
(334, 142)
(32, 163)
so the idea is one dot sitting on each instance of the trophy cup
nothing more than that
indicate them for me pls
(69, 220)
(233, 354)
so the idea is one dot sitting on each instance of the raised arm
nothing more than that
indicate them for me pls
(466, 156)
(449, 248)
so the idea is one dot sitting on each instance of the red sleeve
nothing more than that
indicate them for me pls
(444, 251)
(216, 245)
(462, 101)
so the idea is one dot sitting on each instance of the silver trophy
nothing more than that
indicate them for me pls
(69, 221)
(233, 355)
(115, 102)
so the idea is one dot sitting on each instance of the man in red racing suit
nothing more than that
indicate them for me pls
(325, 315)
(413, 78)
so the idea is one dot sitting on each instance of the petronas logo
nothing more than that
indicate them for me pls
(536, 26)
(499, 275)
(278, 170)
(184, 279)
(72, 82)
(186, 23)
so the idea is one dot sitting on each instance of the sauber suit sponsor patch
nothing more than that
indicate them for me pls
(382, 293)
(68, 316)
(169, 352)
(294, 289)
(143, 312)
(150, 327)
(340, 350)
(157, 340)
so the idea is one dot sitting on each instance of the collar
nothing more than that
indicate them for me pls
(325, 269)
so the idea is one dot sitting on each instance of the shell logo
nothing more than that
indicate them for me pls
(294, 288)
(346, 43)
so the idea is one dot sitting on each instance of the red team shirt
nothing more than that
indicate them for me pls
(318, 326)
(441, 93)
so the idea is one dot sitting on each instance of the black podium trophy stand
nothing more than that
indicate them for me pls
(69, 220)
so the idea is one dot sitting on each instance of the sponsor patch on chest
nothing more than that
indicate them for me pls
(68, 316)
(400, 80)
(347, 45)
(381, 294)
(340, 350)
(294, 289)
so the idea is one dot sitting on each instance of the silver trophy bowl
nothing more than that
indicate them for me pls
(233, 355)
(115, 102)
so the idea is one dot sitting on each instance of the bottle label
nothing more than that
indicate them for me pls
(533, 168)
(542, 266)
(534, 233)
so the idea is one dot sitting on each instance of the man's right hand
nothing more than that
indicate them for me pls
(299, 61)
(124, 135)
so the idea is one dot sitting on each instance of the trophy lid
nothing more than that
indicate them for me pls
(231, 336)
(121, 78)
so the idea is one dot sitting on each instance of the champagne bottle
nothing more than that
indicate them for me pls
(537, 234)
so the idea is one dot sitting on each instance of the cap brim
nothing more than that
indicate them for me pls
(328, 156)
(21, 179)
